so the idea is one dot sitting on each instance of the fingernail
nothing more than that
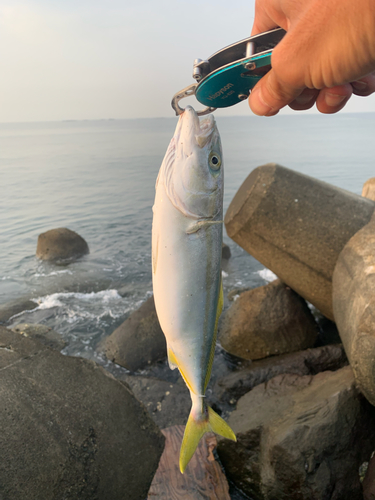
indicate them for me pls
(359, 85)
(304, 99)
(334, 100)
(258, 105)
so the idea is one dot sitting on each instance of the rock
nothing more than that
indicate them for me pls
(10, 309)
(267, 320)
(69, 430)
(225, 251)
(139, 341)
(42, 333)
(369, 481)
(300, 438)
(167, 403)
(368, 190)
(228, 389)
(203, 478)
(296, 226)
(354, 305)
(61, 244)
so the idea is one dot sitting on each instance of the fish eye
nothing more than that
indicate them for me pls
(214, 161)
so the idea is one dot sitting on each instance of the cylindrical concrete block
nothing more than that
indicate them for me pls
(296, 226)
(354, 305)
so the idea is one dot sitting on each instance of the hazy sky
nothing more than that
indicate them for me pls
(92, 59)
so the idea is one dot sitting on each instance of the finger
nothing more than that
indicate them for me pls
(269, 95)
(365, 86)
(305, 100)
(331, 100)
(268, 15)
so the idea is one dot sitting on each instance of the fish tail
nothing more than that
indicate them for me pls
(199, 422)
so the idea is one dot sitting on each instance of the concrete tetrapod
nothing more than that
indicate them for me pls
(354, 305)
(296, 226)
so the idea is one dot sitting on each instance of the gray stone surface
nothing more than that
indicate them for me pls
(225, 251)
(354, 305)
(15, 307)
(61, 244)
(296, 226)
(42, 333)
(139, 341)
(301, 438)
(69, 430)
(168, 403)
(234, 385)
(268, 320)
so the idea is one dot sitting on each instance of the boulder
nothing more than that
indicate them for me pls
(296, 226)
(268, 320)
(301, 438)
(354, 305)
(69, 430)
(168, 403)
(42, 333)
(10, 309)
(61, 244)
(368, 190)
(139, 341)
(229, 389)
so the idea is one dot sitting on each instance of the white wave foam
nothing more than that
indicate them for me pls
(267, 275)
(53, 273)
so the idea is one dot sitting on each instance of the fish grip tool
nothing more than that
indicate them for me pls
(227, 77)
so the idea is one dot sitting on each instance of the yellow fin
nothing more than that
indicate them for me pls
(196, 428)
(220, 305)
(172, 361)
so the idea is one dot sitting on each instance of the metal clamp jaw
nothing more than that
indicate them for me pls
(228, 76)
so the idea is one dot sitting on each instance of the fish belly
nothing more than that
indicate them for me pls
(186, 282)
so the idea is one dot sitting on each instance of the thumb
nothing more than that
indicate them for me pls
(270, 95)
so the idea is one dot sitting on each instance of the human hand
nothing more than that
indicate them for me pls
(327, 55)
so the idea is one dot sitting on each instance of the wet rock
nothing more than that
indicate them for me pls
(10, 309)
(42, 333)
(167, 403)
(69, 430)
(61, 244)
(369, 481)
(225, 251)
(228, 389)
(139, 341)
(267, 320)
(368, 190)
(296, 226)
(301, 438)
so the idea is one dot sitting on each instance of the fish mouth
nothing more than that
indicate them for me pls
(189, 126)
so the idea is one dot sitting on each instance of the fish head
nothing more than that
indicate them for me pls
(196, 174)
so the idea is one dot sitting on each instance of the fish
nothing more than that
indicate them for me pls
(187, 232)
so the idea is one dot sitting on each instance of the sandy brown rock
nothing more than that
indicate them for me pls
(267, 320)
(301, 438)
(139, 341)
(203, 478)
(61, 244)
(368, 190)
(296, 226)
(354, 305)
(69, 430)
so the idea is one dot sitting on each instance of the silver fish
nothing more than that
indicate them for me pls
(186, 264)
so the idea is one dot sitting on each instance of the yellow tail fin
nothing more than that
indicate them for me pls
(197, 427)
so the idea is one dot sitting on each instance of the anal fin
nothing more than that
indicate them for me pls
(172, 361)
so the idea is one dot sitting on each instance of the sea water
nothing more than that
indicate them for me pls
(97, 178)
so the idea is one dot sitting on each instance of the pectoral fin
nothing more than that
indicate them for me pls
(201, 224)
